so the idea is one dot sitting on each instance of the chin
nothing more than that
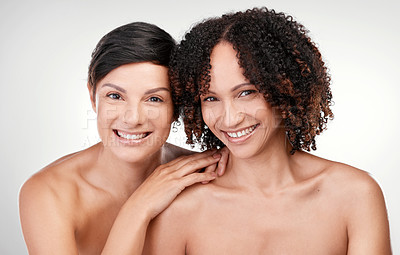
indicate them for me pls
(242, 153)
(132, 155)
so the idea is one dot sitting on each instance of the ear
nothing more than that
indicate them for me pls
(92, 98)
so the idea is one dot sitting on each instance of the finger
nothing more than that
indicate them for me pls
(223, 161)
(177, 164)
(211, 168)
(175, 161)
(191, 179)
(195, 165)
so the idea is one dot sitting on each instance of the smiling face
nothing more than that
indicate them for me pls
(234, 110)
(134, 110)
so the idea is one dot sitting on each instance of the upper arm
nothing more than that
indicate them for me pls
(46, 225)
(166, 234)
(368, 227)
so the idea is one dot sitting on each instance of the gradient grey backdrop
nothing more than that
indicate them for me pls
(45, 113)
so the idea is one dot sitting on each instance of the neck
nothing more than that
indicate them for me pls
(269, 170)
(120, 177)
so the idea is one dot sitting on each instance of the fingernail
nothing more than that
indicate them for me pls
(217, 155)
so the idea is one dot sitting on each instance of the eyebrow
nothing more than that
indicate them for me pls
(234, 88)
(114, 86)
(240, 85)
(156, 90)
(124, 90)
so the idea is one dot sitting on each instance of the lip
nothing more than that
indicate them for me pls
(127, 141)
(242, 139)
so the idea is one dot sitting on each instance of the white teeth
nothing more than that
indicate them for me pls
(132, 137)
(242, 133)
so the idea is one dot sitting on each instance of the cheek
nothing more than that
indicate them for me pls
(106, 114)
(261, 114)
(269, 116)
(209, 115)
(161, 116)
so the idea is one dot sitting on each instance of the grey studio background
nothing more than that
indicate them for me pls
(45, 112)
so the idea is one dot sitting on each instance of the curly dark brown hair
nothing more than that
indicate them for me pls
(277, 56)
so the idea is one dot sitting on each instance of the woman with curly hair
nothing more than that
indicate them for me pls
(254, 82)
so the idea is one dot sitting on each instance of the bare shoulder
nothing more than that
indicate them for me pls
(56, 175)
(52, 185)
(56, 185)
(350, 180)
(171, 152)
(176, 219)
(48, 204)
(349, 186)
(190, 203)
(362, 204)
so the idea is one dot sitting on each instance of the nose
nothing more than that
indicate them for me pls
(232, 115)
(134, 115)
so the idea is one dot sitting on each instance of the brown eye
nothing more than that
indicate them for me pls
(247, 92)
(114, 96)
(210, 99)
(155, 99)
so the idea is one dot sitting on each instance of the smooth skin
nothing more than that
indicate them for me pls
(268, 201)
(101, 200)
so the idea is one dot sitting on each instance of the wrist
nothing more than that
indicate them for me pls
(137, 209)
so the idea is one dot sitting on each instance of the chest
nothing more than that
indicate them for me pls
(284, 226)
(94, 225)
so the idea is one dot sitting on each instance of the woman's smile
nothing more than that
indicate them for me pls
(134, 110)
(241, 135)
(234, 109)
(131, 138)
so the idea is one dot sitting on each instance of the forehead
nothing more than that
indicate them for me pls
(223, 57)
(225, 68)
(142, 74)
